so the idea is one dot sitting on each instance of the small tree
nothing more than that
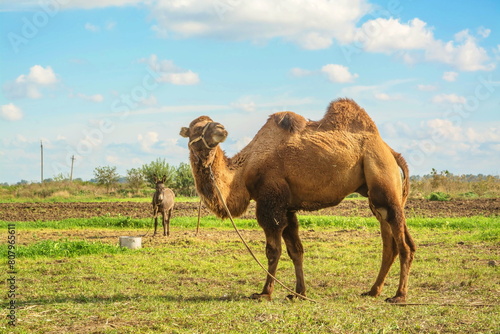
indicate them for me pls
(135, 179)
(184, 181)
(60, 177)
(438, 180)
(158, 168)
(106, 176)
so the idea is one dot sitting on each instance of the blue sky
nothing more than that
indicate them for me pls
(113, 81)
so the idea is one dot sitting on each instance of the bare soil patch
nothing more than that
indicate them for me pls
(350, 208)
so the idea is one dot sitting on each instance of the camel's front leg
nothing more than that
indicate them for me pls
(271, 216)
(295, 251)
(273, 253)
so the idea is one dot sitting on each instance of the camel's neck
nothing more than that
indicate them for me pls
(219, 174)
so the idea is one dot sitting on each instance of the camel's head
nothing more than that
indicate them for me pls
(203, 133)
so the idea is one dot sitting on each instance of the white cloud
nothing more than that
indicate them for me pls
(91, 27)
(463, 53)
(169, 72)
(39, 75)
(11, 112)
(311, 24)
(368, 92)
(450, 76)
(113, 159)
(29, 85)
(314, 41)
(245, 103)
(148, 140)
(483, 32)
(449, 98)
(396, 129)
(299, 72)
(241, 143)
(110, 25)
(386, 97)
(181, 78)
(338, 73)
(92, 98)
(443, 128)
(26, 5)
(389, 35)
(483, 136)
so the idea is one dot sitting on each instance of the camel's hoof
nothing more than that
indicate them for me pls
(396, 300)
(369, 294)
(260, 296)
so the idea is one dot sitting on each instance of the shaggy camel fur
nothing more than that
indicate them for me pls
(163, 203)
(294, 164)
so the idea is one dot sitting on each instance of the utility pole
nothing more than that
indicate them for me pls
(71, 174)
(41, 160)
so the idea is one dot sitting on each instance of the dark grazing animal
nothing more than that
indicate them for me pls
(163, 203)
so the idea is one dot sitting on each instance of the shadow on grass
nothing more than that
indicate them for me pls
(127, 298)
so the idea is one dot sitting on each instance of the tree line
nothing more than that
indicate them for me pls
(179, 179)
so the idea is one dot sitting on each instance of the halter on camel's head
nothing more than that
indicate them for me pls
(204, 136)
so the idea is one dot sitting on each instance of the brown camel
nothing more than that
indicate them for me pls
(163, 203)
(294, 164)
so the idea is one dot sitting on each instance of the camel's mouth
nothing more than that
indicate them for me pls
(212, 133)
(219, 134)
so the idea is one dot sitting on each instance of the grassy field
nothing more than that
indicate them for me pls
(71, 277)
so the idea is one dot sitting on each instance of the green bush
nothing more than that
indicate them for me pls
(439, 196)
(470, 194)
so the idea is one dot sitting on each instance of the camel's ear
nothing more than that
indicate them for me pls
(184, 132)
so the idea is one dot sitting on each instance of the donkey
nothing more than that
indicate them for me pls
(163, 203)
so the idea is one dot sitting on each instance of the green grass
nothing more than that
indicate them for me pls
(63, 248)
(89, 199)
(200, 284)
(475, 223)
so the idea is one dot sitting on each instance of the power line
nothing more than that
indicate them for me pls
(41, 161)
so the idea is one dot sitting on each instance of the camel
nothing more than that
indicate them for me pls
(294, 164)
(163, 203)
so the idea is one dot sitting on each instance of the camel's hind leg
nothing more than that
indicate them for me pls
(389, 254)
(386, 202)
(396, 241)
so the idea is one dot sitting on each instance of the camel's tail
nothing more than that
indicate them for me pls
(406, 174)
(406, 191)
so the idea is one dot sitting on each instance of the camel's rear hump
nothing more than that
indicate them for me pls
(345, 114)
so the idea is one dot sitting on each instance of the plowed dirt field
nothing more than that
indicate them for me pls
(58, 211)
